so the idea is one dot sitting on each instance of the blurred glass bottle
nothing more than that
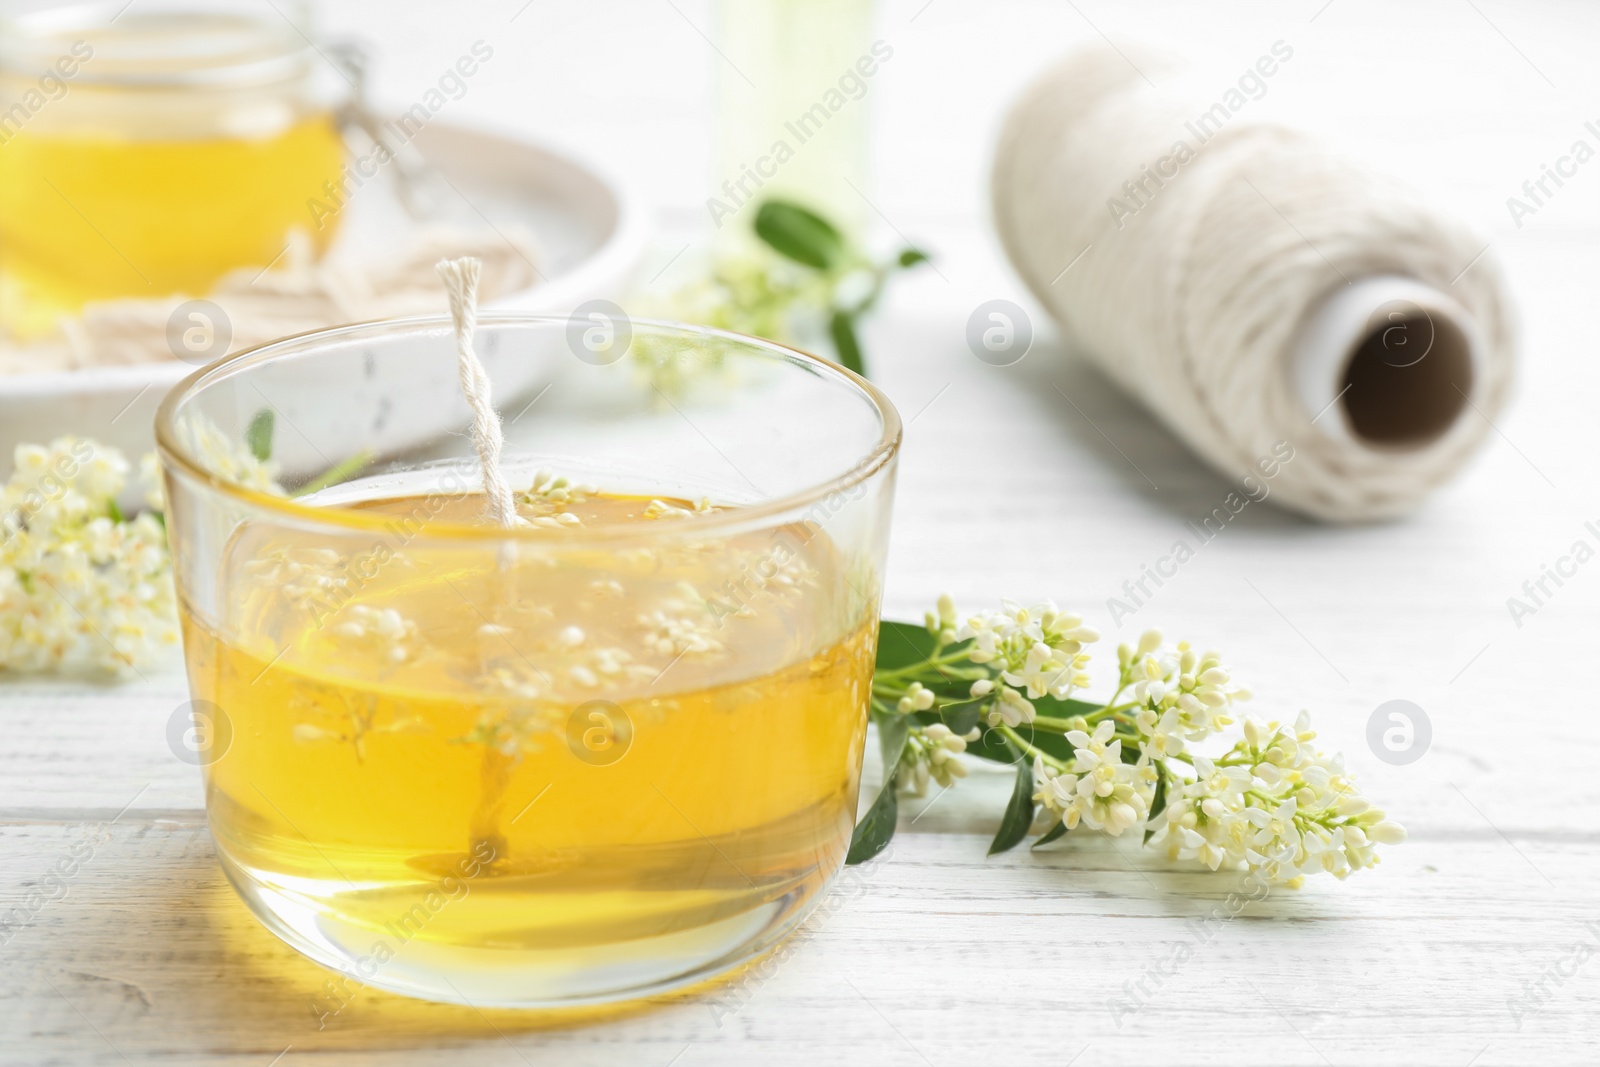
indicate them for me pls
(149, 148)
(791, 110)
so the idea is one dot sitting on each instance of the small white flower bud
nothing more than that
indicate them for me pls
(1352, 804)
(1149, 641)
(982, 688)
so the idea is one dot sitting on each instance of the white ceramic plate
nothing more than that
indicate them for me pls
(590, 237)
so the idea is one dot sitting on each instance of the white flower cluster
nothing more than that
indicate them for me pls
(382, 632)
(316, 580)
(1037, 651)
(660, 509)
(593, 666)
(931, 752)
(752, 291)
(227, 460)
(682, 626)
(1182, 696)
(1273, 803)
(1276, 804)
(548, 499)
(1098, 788)
(81, 587)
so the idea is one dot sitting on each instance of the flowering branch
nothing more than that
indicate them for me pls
(1001, 685)
(83, 587)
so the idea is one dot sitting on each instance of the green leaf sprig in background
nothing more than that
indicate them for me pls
(801, 281)
(853, 280)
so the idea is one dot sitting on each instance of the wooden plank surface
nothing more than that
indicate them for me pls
(1470, 945)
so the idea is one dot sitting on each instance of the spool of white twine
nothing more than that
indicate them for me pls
(1251, 288)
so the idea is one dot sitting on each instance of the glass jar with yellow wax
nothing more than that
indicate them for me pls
(147, 149)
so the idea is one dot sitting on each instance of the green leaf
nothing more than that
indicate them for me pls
(893, 730)
(876, 828)
(114, 512)
(842, 329)
(902, 644)
(910, 257)
(799, 233)
(258, 435)
(1158, 802)
(1055, 833)
(908, 644)
(1018, 818)
(962, 717)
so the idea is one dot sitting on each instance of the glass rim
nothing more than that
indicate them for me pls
(283, 52)
(345, 518)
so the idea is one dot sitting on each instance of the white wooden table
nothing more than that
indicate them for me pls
(936, 955)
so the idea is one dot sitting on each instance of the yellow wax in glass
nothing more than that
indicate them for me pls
(372, 764)
(88, 216)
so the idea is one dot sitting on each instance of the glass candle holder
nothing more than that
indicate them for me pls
(609, 751)
(150, 148)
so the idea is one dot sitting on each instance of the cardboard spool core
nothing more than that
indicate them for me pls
(1408, 381)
